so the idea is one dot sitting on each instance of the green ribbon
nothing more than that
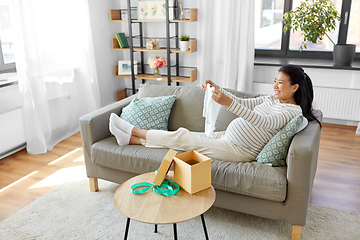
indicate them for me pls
(171, 188)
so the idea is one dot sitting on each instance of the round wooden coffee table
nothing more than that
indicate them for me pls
(154, 208)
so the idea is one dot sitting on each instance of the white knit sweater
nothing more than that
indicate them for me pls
(259, 120)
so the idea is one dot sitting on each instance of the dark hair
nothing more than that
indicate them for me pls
(304, 95)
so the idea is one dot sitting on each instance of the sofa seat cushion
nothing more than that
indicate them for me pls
(130, 158)
(250, 178)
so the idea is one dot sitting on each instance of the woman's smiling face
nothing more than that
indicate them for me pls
(284, 91)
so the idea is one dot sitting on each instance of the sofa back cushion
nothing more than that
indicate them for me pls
(225, 116)
(149, 113)
(188, 107)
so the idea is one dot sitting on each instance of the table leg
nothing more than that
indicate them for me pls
(155, 228)
(204, 226)
(175, 232)
(127, 228)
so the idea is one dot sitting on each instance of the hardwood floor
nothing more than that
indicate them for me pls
(337, 179)
(24, 178)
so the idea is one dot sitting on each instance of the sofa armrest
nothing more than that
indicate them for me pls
(94, 126)
(301, 168)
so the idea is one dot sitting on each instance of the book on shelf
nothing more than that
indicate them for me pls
(118, 39)
(122, 40)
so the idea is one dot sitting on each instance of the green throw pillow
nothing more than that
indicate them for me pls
(275, 151)
(149, 113)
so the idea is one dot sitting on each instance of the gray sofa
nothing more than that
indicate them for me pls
(280, 193)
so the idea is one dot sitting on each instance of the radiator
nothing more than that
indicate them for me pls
(342, 104)
(12, 131)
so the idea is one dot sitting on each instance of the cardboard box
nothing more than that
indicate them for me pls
(164, 167)
(192, 171)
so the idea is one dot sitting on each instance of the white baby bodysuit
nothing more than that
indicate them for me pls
(210, 112)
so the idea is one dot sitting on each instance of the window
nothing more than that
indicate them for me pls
(268, 26)
(7, 56)
(271, 41)
(325, 44)
(354, 24)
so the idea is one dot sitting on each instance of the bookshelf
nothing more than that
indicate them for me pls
(172, 52)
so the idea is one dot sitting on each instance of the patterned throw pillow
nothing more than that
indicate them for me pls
(149, 113)
(275, 151)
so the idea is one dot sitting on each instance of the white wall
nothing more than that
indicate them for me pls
(105, 57)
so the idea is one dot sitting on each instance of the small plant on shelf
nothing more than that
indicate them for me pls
(184, 43)
(184, 38)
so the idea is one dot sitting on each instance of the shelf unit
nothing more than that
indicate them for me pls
(115, 16)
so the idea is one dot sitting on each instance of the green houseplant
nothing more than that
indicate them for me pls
(315, 18)
(184, 42)
(184, 38)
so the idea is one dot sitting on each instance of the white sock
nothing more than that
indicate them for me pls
(121, 123)
(121, 137)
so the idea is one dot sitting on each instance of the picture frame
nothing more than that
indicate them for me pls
(124, 67)
(154, 9)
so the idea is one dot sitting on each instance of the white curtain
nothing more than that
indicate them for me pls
(226, 43)
(56, 69)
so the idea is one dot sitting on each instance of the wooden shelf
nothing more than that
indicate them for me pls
(192, 78)
(193, 48)
(115, 16)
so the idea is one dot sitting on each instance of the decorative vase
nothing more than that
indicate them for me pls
(344, 54)
(184, 45)
(157, 72)
(153, 44)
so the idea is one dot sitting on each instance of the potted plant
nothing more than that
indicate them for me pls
(315, 18)
(184, 43)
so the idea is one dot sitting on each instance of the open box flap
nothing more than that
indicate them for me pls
(164, 167)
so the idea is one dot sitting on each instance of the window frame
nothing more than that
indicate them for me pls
(5, 66)
(285, 52)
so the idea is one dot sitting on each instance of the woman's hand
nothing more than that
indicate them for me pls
(221, 98)
(203, 86)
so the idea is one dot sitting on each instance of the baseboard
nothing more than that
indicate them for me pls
(4, 155)
(340, 122)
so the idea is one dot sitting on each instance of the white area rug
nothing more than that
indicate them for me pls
(71, 211)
